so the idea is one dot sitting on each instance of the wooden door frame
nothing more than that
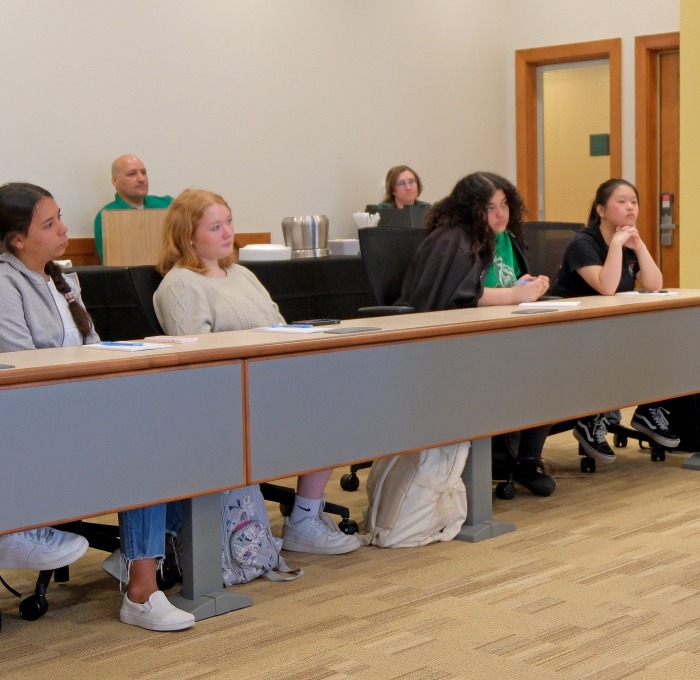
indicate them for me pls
(526, 63)
(646, 52)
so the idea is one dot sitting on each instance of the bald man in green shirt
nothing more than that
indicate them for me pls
(130, 179)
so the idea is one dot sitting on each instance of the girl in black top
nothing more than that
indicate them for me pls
(605, 258)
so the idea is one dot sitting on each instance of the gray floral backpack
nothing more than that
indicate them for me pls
(248, 548)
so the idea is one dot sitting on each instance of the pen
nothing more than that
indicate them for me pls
(121, 344)
(291, 325)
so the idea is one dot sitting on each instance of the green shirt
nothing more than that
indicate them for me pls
(120, 204)
(504, 270)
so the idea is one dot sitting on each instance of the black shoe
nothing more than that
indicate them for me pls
(590, 433)
(530, 474)
(170, 572)
(651, 420)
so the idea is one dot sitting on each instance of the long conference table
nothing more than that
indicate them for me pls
(87, 432)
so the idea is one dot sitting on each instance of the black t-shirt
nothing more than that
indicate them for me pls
(587, 248)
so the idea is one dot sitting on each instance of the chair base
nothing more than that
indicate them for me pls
(100, 536)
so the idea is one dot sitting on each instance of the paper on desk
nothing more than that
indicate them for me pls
(290, 329)
(660, 293)
(129, 347)
(551, 303)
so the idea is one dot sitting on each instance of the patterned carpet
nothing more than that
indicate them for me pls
(600, 581)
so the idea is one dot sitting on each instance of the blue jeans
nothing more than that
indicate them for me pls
(142, 531)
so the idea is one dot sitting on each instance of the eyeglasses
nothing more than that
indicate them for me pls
(405, 183)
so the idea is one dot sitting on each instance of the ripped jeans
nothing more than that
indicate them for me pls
(142, 531)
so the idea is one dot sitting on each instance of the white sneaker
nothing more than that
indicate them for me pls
(155, 614)
(114, 566)
(319, 535)
(39, 549)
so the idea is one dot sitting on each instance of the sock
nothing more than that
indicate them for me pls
(304, 508)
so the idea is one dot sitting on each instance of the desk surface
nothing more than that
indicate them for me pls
(64, 363)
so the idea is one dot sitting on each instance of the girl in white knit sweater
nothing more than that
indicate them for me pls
(205, 291)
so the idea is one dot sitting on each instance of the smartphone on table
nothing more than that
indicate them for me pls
(316, 322)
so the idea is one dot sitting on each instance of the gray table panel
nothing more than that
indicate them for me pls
(334, 407)
(129, 440)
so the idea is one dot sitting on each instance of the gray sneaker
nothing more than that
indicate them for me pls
(319, 535)
(41, 549)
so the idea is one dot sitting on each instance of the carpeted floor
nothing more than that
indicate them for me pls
(600, 581)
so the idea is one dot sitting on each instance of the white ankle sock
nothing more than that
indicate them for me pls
(304, 508)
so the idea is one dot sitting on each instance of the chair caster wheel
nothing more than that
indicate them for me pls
(658, 454)
(350, 482)
(33, 607)
(505, 491)
(619, 441)
(348, 526)
(587, 464)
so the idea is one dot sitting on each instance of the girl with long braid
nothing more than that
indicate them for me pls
(40, 307)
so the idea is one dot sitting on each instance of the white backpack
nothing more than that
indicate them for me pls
(417, 498)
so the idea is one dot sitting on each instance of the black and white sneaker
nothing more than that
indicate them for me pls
(652, 421)
(590, 433)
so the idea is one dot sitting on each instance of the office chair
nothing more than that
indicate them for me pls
(386, 253)
(100, 536)
(546, 242)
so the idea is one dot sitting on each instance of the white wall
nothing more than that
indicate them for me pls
(285, 107)
(538, 23)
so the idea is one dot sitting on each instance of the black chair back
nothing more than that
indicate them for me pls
(145, 279)
(546, 242)
(387, 252)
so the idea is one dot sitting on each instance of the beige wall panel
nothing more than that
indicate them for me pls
(576, 104)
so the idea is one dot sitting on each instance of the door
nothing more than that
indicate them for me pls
(527, 63)
(657, 78)
(669, 151)
(573, 137)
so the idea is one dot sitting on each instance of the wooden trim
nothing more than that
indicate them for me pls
(242, 239)
(526, 63)
(81, 252)
(646, 52)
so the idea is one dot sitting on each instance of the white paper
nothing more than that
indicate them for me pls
(551, 303)
(658, 293)
(363, 219)
(177, 339)
(291, 329)
(129, 346)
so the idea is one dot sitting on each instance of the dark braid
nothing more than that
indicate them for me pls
(78, 312)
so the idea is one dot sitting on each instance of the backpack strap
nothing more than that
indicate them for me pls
(374, 505)
(283, 573)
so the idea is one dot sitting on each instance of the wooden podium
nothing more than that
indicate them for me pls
(131, 237)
